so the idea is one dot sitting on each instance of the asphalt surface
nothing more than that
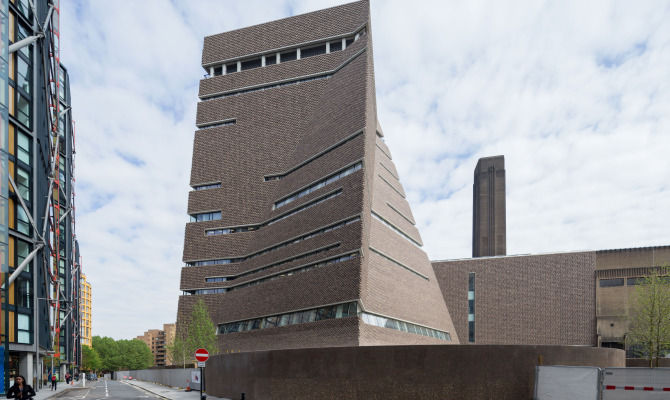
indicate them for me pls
(105, 390)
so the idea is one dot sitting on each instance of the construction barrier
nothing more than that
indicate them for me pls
(636, 383)
(562, 382)
(566, 383)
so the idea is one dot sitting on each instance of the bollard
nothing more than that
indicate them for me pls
(204, 397)
(242, 398)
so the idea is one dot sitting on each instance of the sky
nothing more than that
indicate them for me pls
(574, 94)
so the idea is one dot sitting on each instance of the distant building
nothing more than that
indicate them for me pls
(618, 272)
(170, 333)
(488, 208)
(85, 308)
(158, 341)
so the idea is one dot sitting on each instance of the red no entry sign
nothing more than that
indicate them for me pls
(201, 355)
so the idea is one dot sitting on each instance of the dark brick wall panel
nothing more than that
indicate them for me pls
(394, 372)
(539, 299)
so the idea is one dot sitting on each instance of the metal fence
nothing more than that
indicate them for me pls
(168, 377)
(562, 382)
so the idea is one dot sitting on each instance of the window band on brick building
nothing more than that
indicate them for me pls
(292, 271)
(389, 171)
(216, 124)
(391, 186)
(314, 252)
(206, 216)
(298, 239)
(400, 213)
(313, 158)
(225, 231)
(319, 184)
(471, 307)
(395, 229)
(403, 326)
(335, 311)
(285, 82)
(277, 56)
(398, 263)
(207, 186)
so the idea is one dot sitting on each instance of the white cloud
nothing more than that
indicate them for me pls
(575, 95)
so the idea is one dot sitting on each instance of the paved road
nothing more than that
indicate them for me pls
(105, 390)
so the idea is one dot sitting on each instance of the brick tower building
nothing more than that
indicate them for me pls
(300, 232)
(489, 230)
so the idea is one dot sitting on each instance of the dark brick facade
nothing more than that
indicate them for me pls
(394, 372)
(533, 299)
(489, 218)
(302, 121)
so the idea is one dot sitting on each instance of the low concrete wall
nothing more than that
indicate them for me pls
(395, 372)
(641, 362)
(168, 377)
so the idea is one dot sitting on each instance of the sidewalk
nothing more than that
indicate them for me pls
(46, 392)
(168, 392)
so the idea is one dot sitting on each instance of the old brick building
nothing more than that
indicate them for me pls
(159, 341)
(574, 298)
(525, 299)
(618, 272)
(300, 232)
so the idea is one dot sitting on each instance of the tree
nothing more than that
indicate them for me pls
(108, 350)
(90, 360)
(650, 316)
(122, 354)
(199, 332)
(134, 354)
(177, 349)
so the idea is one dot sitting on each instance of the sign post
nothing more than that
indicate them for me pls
(201, 355)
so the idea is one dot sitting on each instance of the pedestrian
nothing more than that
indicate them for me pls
(20, 390)
(67, 378)
(53, 381)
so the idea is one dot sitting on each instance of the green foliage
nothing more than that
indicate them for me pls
(108, 350)
(177, 351)
(199, 332)
(122, 354)
(650, 317)
(90, 360)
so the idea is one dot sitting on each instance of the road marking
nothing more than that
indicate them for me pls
(106, 390)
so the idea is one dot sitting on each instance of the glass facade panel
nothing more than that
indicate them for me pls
(611, 282)
(23, 110)
(471, 307)
(23, 75)
(299, 317)
(23, 328)
(23, 293)
(23, 183)
(288, 56)
(23, 148)
(635, 281)
(389, 323)
(22, 221)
